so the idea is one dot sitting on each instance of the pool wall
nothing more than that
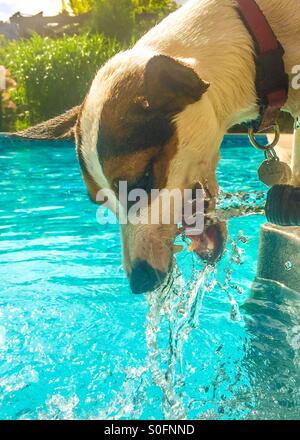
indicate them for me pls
(279, 256)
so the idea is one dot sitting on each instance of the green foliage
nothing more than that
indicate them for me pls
(63, 6)
(156, 6)
(3, 41)
(150, 12)
(81, 6)
(124, 19)
(53, 75)
(114, 18)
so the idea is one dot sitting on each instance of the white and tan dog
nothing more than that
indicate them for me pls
(157, 113)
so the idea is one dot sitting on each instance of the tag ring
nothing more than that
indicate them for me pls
(267, 147)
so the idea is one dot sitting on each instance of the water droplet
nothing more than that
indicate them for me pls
(288, 266)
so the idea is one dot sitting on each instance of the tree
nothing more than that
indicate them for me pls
(114, 18)
(123, 19)
(81, 6)
(150, 12)
(155, 6)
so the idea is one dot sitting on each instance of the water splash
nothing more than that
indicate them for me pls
(240, 204)
(227, 287)
(181, 307)
(174, 312)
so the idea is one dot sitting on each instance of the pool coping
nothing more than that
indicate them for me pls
(25, 141)
(10, 137)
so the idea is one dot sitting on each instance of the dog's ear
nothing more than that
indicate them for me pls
(61, 127)
(171, 85)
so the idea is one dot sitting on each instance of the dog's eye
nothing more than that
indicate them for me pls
(145, 182)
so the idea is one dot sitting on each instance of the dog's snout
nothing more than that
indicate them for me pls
(145, 278)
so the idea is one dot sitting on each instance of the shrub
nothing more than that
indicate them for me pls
(81, 6)
(123, 20)
(150, 12)
(53, 75)
(114, 18)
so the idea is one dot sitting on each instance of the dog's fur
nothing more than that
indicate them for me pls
(169, 101)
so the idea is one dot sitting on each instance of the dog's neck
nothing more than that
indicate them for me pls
(212, 34)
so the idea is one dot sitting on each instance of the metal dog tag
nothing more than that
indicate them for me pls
(273, 172)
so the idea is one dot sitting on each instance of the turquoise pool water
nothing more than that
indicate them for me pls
(74, 341)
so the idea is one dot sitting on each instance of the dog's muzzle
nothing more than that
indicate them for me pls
(209, 245)
(145, 278)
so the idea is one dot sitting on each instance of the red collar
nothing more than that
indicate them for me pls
(272, 81)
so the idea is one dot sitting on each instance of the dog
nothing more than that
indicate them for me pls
(156, 114)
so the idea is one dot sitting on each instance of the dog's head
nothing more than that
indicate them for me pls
(148, 121)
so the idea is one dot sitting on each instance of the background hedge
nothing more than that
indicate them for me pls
(52, 75)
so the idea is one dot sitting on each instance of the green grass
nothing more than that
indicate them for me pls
(52, 75)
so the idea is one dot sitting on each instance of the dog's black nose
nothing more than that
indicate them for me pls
(144, 278)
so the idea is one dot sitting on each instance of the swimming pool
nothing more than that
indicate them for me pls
(74, 341)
